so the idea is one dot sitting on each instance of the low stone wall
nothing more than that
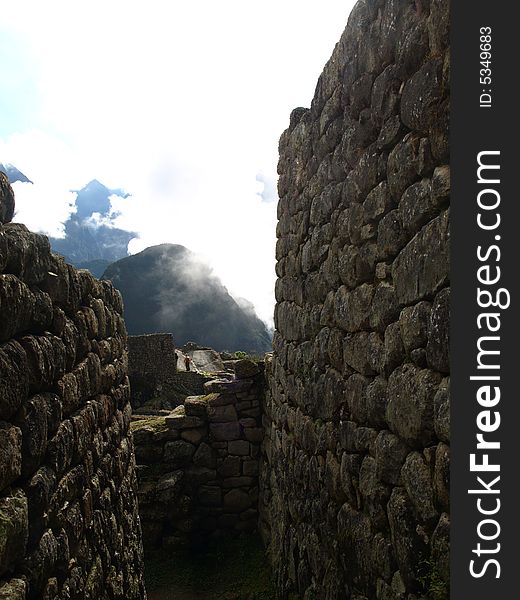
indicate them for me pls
(198, 467)
(69, 525)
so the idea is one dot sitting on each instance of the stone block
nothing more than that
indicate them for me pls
(410, 409)
(438, 346)
(417, 480)
(229, 467)
(195, 406)
(14, 379)
(422, 268)
(204, 456)
(14, 527)
(442, 411)
(254, 434)
(210, 495)
(239, 448)
(236, 501)
(225, 431)
(390, 454)
(178, 453)
(10, 454)
(222, 414)
(178, 419)
(238, 482)
(194, 436)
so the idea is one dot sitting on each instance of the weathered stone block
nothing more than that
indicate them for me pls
(413, 322)
(254, 434)
(194, 436)
(375, 401)
(10, 454)
(204, 456)
(441, 479)
(195, 406)
(421, 94)
(239, 448)
(422, 268)
(246, 369)
(225, 431)
(390, 454)
(442, 411)
(409, 546)
(14, 380)
(169, 487)
(179, 453)
(238, 482)
(356, 352)
(438, 346)
(32, 419)
(355, 391)
(410, 410)
(236, 500)
(375, 494)
(14, 528)
(410, 159)
(222, 414)
(229, 467)
(210, 495)
(417, 480)
(178, 419)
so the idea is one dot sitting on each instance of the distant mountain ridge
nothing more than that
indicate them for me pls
(166, 289)
(89, 232)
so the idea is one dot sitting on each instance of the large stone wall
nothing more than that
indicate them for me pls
(198, 466)
(69, 526)
(354, 499)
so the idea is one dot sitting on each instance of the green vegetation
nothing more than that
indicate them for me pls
(239, 354)
(158, 424)
(433, 584)
(224, 569)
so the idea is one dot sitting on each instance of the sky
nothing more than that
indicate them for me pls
(181, 104)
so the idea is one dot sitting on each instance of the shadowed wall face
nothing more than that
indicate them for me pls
(69, 526)
(354, 486)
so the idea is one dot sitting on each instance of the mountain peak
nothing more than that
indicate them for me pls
(13, 174)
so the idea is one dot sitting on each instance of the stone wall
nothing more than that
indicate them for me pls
(198, 466)
(354, 487)
(69, 526)
(155, 380)
(152, 365)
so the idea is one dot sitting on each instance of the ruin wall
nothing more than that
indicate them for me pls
(355, 482)
(69, 524)
(198, 466)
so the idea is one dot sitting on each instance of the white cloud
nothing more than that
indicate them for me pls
(180, 104)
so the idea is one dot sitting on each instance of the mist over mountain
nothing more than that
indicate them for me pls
(90, 234)
(166, 288)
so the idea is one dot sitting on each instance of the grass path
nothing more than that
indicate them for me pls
(228, 569)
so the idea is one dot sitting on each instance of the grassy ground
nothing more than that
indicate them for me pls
(228, 569)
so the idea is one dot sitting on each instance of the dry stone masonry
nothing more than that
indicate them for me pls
(152, 365)
(155, 380)
(354, 486)
(69, 525)
(198, 466)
